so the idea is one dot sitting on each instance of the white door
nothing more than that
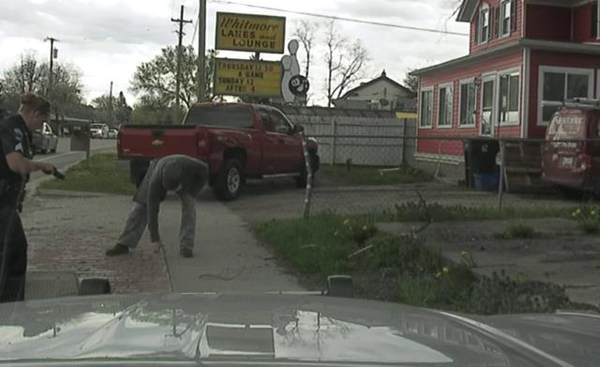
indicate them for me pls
(488, 107)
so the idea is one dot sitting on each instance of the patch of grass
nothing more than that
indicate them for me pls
(98, 174)
(322, 245)
(362, 175)
(518, 231)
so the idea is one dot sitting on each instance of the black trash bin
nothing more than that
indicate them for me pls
(480, 158)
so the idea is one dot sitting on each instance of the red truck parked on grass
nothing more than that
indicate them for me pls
(237, 141)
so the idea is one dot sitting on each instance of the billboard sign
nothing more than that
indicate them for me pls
(249, 32)
(247, 78)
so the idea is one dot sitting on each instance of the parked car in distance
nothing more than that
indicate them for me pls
(44, 140)
(238, 141)
(99, 131)
(569, 163)
(113, 133)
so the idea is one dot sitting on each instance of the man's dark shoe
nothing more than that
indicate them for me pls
(118, 249)
(186, 252)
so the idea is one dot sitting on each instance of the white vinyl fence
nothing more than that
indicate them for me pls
(363, 141)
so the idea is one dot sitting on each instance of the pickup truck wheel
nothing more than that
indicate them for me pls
(230, 180)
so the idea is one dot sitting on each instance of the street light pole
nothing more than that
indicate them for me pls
(201, 51)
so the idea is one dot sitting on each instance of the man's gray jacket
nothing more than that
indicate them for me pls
(179, 173)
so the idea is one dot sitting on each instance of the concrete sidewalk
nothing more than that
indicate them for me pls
(227, 257)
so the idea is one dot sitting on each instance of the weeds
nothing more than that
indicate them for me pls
(321, 246)
(415, 211)
(588, 218)
(518, 231)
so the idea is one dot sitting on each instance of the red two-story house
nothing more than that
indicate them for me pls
(525, 58)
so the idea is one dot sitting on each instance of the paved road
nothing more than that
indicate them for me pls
(64, 157)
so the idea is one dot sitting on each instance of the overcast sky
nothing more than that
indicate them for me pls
(107, 39)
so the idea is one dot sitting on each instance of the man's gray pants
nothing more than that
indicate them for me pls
(138, 220)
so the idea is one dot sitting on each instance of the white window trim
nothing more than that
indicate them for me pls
(484, 78)
(426, 89)
(460, 84)
(558, 69)
(501, 19)
(511, 71)
(450, 86)
(484, 8)
(598, 20)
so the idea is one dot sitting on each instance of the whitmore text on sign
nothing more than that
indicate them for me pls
(248, 77)
(248, 32)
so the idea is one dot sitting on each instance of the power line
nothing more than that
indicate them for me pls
(354, 20)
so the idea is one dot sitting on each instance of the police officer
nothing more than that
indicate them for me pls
(15, 167)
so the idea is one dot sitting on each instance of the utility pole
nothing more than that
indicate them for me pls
(53, 55)
(110, 105)
(201, 51)
(181, 22)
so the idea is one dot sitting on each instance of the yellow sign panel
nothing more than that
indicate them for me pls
(248, 77)
(249, 32)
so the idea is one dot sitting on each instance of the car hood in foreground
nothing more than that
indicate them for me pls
(288, 328)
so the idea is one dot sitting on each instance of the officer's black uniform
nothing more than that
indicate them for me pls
(14, 137)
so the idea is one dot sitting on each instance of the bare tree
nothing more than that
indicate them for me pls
(411, 81)
(334, 42)
(345, 62)
(305, 32)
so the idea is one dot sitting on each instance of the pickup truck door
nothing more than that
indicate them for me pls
(290, 157)
(272, 143)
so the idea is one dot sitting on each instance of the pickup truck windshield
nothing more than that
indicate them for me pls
(224, 116)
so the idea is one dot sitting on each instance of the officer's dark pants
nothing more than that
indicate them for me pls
(13, 255)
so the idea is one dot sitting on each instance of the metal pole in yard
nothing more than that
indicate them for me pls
(308, 192)
(404, 123)
(201, 51)
(333, 141)
(501, 179)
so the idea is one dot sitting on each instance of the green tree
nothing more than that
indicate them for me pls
(114, 112)
(157, 78)
(155, 81)
(122, 110)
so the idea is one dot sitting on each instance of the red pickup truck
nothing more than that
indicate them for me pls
(238, 141)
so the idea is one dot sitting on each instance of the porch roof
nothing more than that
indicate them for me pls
(583, 48)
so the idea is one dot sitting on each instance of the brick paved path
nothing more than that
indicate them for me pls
(72, 233)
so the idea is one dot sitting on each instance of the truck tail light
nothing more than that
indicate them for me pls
(585, 161)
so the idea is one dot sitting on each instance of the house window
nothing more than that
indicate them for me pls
(505, 15)
(508, 98)
(484, 24)
(559, 85)
(445, 99)
(426, 108)
(467, 103)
